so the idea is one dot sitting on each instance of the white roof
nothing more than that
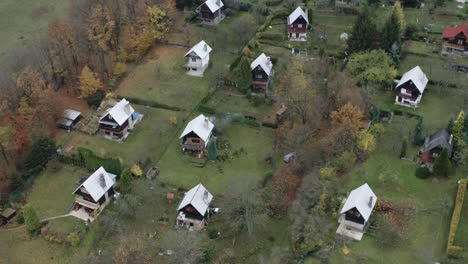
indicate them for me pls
(120, 112)
(213, 5)
(359, 198)
(98, 183)
(417, 76)
(71, 114)
(200, 126)
(201, 49)
(264, 62)
(296, 14)
(199, 197)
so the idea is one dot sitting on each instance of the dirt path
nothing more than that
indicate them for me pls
(43, 220)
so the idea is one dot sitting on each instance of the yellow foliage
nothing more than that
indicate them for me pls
(366, 141)
(173, 120)
(349, 115)
(89, 82)
(401, 17)
(136, 170)
(101, 27)
(120, 68)
(452, 250)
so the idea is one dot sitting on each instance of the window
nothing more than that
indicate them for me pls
(259, 76)
(195, 140)
(299, 25)
(460, 41)
(194, 59)
(194, 69)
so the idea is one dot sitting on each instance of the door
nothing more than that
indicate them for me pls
(297, 35)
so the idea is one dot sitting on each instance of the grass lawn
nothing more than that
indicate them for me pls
(394, 180)
(257, 143)
(147, 140)
(20, 21)
(227, 103)
(52, 191)
(327, 28)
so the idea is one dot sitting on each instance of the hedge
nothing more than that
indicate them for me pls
(452, 250)
(93, 162)
(245, 121)
(149, 103)
(206, 110)
(270, 125)
(272, 36)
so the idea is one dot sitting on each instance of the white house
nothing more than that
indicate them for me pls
(118, 121)
(194, 208)
(298, 21)
(198, 59)
(93, 195)
(410, 88)
(262, 69)
(356, 211)
(196, 135)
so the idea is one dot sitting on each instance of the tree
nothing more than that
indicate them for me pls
(125, 182)
(366, 141)
(442, 164)
(242, 74)
(348, 115)
(459, 129)
(101, 27)
(373, 67)
(418, 138)
(89, 82)
(186, 246)
(31, 220)
(364, 32)
(41, 152)
(22, 124)
(450, 125)
(136, 170)
(346, 160)
(398, 11)
(5, 141)
(460, 154)
(212, 150)
(391, 33)
(404, 147)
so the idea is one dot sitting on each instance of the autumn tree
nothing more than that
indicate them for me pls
(398, 11)
(101, 27)
(366, 141)
(5, 142)
(374, 67)
(283, 189)
(29, 82)
(22, 124)
(348, 115)
(89, 82)
(340, 89)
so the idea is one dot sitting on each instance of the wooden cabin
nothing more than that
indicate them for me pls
(196, 136)
(298, 22)
(198, 59)
(211, 11)
(356, 211)
(93, 195)
(434, 144)
(194, 208)
(119, 121)
(410, 88)
(262, 69)
(455, 40)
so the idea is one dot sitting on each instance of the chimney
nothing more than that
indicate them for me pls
(205, 196)
(218, 2)
(371, 199)
(205, 47)
(268, 60)
(102, 180)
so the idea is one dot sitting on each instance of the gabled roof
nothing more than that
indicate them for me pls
(440, 139)
(417, 76)
(98, 183)
(199, 197)
(214, 5)
(201, 49)
(201, 126)
(71, 114)
(296, 14)
(120, 112)
(360, 198)
(453, 32)
(264, 62)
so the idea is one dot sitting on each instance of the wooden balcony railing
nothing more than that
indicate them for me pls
(191, 146)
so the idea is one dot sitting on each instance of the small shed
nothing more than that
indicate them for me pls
(69, 119)
(8, 214)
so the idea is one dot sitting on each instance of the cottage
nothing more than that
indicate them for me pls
(69, 119)
(194, 208)
(410, 88)
(198, 59)
(298, 21)
(455, 40)
(356, 211)
(262, 69)
(93, 195)
(196, 136)
(434, 144)
(119, 120)
(7, 215)
(211, 11)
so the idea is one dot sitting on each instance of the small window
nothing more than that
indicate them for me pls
(195, 140)
(299, 25)
(194, 69)
(194, 59)
(460, 41)
(259, 76)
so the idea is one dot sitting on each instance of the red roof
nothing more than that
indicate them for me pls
(453, 32)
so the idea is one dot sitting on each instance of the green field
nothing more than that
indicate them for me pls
(23, 20)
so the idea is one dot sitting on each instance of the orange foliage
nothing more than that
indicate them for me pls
(285, 183)
(349, 115)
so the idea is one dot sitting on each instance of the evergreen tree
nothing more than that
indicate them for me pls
(391, 33)
(31, 220)
(442, 164)
(404, 147)
(450, 125)
(242, 74)
(364, 32)
(212, 150)
(125, 181)
(459, 129)
(418, 137)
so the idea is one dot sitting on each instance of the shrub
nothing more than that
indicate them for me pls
(242, 120)
(73, 239)
(327, 172)
(423, 173)
(213, 233)
(404, 147)
(270, 125)
(206, 110)
(95, 99)
(346, 160)
(125, 181)
(31, 220)
(136, 170)
(150, 103)
(245, 6)
(20, 218)
(191, 16)
(442, 164)
(454, 251)
(93, 162)
(119, 69)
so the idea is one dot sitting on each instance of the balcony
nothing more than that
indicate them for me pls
(447, 44)
(83, 202)
(193, 146)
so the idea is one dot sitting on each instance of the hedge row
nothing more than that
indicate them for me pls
(245, 121)
(452, 250)
(150, 103)
(206, 110)
(93, 162)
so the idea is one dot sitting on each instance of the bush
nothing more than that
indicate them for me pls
(213, 233)
(242, 120)
(206, 110)
(346, 160)
(245, 6)
(31, 220)
(93, 162)
(119, 69)
(136, 170)
(423, 173)
(270, 125)
(150, 103)
(73, 239)
(20, 219)
(95, 99)
(41, 152)
(454, 251)
(266, 178)
(125, 181)
(191, 16)
(327, 172)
